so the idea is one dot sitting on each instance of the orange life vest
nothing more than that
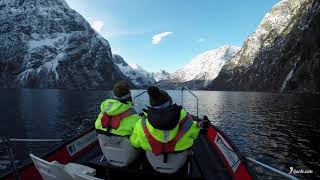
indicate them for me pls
(114, 121)
(160, 147)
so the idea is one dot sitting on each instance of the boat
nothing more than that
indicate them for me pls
(214, 156)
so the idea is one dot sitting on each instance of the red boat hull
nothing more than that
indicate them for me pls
(84, 143)
(65, 153)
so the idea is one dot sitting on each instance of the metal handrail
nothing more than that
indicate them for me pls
(188, 90)
(182, 89)
(272, 169)
(135, 97)
(8, 144)
(31, 140)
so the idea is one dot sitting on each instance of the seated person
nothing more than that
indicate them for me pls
(165, 132)
(115, 124)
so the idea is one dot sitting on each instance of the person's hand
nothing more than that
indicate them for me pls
(204, 124)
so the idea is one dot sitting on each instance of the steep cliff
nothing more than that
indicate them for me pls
(282, 55)
(138, 76)
(45, 44)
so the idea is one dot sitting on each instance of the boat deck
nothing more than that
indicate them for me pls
(214, 157)
(200, 167)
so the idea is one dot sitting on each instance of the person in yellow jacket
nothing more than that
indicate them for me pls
(166, 127)
(117, 116)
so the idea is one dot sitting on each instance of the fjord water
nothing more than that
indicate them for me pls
(282, 130)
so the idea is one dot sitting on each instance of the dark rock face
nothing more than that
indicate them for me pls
(117, 59)
(45, 44)
(290, 63)
(137, 75)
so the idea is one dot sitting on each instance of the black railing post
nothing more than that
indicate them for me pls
(8, 145)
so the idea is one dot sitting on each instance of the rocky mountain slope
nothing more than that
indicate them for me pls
(161, 75)
(203, 68)
(45, 44)
(138, 76)
(281, 55)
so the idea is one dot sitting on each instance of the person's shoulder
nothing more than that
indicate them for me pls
(138, 123)
(110, 100)
(106, 103)
(183, 111)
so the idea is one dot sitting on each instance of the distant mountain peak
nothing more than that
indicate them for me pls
(136, 66)
(205, 66)
(140, 77)
(161, 75)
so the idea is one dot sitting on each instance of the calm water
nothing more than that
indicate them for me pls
(282, 130)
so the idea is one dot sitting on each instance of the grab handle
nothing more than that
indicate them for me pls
(8, 145)
(135, 97)
(195, 96)
(271, 169)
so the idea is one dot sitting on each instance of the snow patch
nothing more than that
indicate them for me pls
(43, 42)
(289, 76)
(206, 66)
(161, 75)
(134, 72)
(52, 65)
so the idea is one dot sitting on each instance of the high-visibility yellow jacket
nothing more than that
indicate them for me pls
(114, 107)
(139, 139)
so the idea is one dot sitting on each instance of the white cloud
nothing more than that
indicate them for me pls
(158, 37)
(97, 25)
(201, 40)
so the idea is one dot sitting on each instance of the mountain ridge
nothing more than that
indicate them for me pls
(286, 58)
(137, 75)
(204, 67)
(49, 45)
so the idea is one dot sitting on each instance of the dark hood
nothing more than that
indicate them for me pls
(164, 119)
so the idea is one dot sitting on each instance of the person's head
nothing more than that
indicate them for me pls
(121, 91)
(158, 98)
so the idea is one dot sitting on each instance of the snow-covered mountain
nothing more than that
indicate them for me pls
(46, 44)
(161, 75)
(138, 76)
(280, 55)
(206, 66)
(279, 20)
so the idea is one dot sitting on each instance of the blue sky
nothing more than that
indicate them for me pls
(186, 27)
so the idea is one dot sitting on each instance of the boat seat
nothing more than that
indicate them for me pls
(118, 150)
(55, 170)
(175, 161)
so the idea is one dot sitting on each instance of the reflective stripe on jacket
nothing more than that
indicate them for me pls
(139, 138)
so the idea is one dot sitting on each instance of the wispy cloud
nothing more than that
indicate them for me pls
(97, 25)
(201, 40)
(156, 39)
